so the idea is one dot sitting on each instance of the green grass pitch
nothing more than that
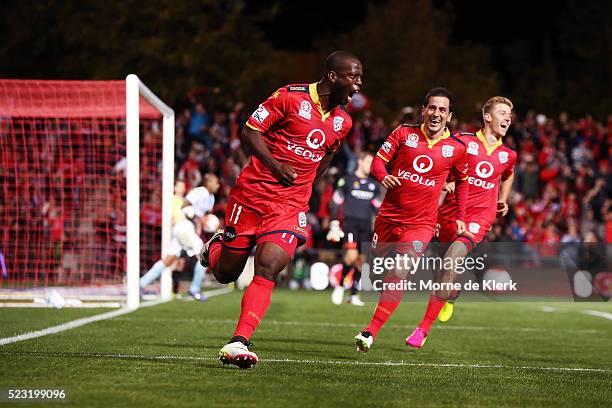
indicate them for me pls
(489, 354)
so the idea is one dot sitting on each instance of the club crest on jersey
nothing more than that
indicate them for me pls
(302, 219)
(417, 245)
(338, 120)
(473, 227)
(503, 157)
(305, 109)
(447, 151)
(386, 147)
(412, 140)
(473, 148)
(260, 114)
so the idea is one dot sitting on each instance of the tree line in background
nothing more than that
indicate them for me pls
(220, 46)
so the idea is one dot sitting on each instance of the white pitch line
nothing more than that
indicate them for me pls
(73, 324)
(88, 305)
(328, 362)
(360, 326)
(440, 365)
(598, 314)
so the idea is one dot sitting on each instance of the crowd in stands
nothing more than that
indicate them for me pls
(562, 192)
(563, 184)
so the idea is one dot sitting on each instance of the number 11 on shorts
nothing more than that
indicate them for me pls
(237, 209)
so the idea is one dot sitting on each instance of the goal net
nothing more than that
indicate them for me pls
(83, 180)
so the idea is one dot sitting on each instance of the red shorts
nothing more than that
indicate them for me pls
(248, 224)
(402, 239)
(475, 232)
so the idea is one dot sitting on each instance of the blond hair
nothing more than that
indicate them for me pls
(486, 108)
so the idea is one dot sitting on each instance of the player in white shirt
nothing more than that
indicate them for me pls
(186, 235)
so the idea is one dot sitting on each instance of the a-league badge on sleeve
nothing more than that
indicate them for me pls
(260, 114)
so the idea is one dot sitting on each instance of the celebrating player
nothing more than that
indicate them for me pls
(185, 234)
(490, 175)
(292, 136)
(421, 158)
(357, 194)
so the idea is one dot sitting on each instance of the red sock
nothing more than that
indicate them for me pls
(389, 301)
(213, 253)
(255, 302)
(431, 314)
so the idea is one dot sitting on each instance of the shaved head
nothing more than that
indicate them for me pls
(339, 60)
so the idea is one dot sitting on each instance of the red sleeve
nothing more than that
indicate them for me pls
(378, 169)
(270, 112)
(461, 190)
(459, 169)
(388, 149)
(459, 172)
(510, 169)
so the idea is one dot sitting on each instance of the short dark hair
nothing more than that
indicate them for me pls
(441, 91)
(338, 60)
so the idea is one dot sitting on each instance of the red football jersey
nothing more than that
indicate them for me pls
(486, 168)
(422, 165)
(298, 133)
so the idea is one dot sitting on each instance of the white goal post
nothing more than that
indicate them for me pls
(134, 88)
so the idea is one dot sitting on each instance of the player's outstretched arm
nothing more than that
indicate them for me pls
(448, 188)
(379, 172)
(256, 145)
(462, 190)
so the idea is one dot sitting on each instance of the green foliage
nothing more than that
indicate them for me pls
(405, 49)
(582, 57)
(570, 68)
(172, 45)
(406, 46)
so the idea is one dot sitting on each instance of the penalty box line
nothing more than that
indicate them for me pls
(314, 362)
(74, 324)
